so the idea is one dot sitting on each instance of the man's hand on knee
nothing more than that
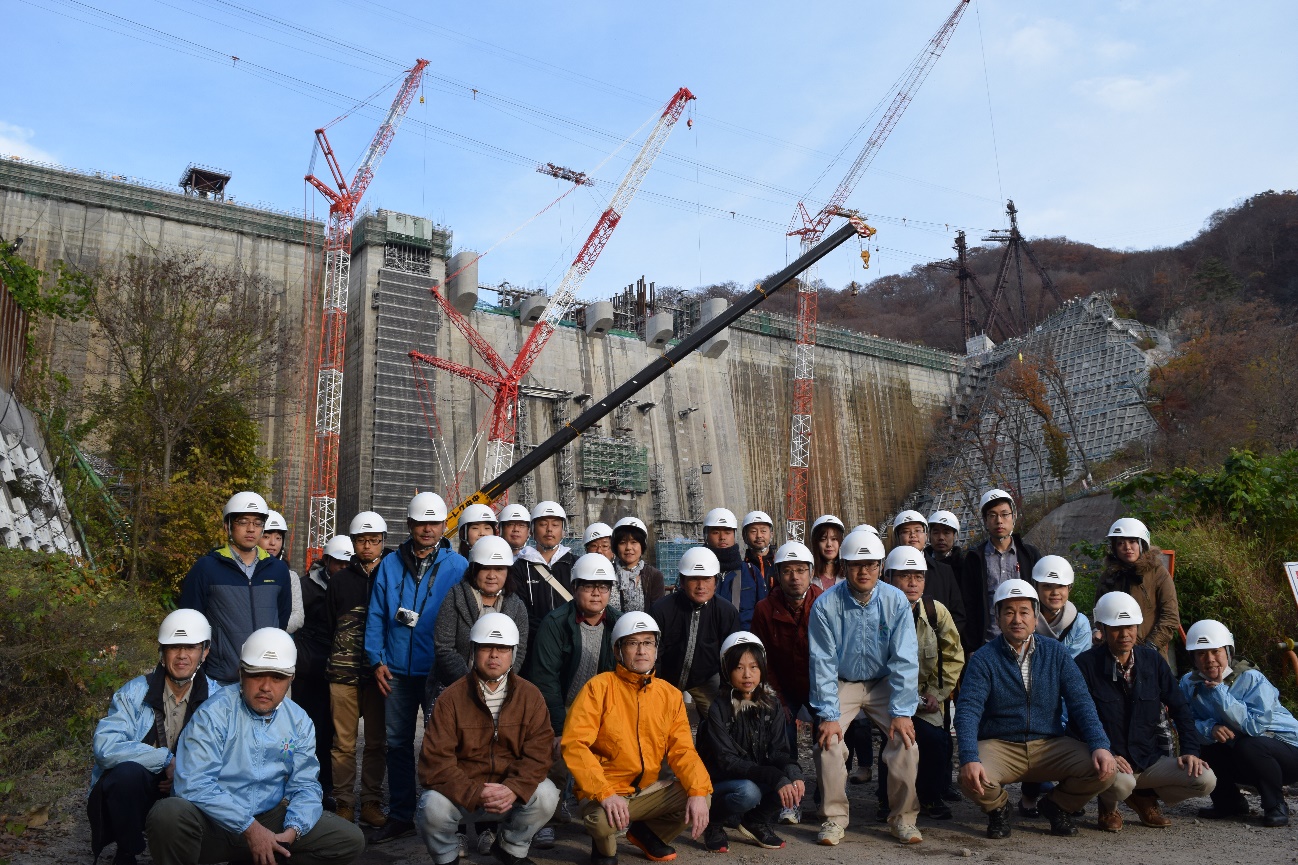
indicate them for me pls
(497, 798)
(905, 728)
(1104, 763)
(264, 844)
(831, 733)
(974, 778)
(618, 812)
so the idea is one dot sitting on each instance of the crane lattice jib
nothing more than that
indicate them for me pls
(344, 201)
(812, 229)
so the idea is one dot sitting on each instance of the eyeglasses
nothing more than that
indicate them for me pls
(637, 645)
(596, 588)
(245, 522)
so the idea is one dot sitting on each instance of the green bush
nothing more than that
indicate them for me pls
(68, 639)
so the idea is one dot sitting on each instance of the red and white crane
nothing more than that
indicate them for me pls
(811, 229)
(344, 202)
(503, 380)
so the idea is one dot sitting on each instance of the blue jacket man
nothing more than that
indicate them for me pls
(865, 659)
(247, 777)
(239, 587)
(1014, 693)
(409, 586)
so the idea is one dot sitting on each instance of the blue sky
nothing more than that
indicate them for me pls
(1119, 123)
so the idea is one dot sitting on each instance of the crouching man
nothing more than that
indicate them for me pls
(1131, 684)
(247, 778)
(1010, 724)
(135, 744)
(619, 731)
(486, 752)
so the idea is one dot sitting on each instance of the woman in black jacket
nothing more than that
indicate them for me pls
(744, 744)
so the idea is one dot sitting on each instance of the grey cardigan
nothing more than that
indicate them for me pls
(458, 613)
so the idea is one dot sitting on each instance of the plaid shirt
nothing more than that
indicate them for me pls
(1024, 657)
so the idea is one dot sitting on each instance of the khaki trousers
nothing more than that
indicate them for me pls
(352, 704)
(1166, 778)
(661, 807)
(180, 834)
(1063, 760)
(872, 698)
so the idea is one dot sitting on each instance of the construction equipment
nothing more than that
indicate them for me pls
(496, 487)
(1016, 245)
(810, 231)
(502, 382)
(344, 201)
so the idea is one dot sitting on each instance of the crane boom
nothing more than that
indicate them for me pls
(810, 231)
(344, 201)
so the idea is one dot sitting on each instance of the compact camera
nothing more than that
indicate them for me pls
(409, 618)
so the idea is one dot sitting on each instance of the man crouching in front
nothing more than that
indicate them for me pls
(247, 777)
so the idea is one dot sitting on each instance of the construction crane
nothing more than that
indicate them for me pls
(503, 381)
(344, 201)
(810, 230)
(496, 487)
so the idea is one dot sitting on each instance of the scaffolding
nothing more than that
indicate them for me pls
(566, 476)
(614, 465)
(667, 557)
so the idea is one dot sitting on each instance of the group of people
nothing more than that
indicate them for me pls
(562, 686)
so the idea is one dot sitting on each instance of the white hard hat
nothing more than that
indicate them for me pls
(275, 522)
(720, 518)
(268, 650)
(905, 558)
(477, 513)
(828, 520)
(492, 551)
(1208, 634)
(755, 517)
(1118, 608)
(1054, 570)
(944, 518)
(633, 623)
(993, 496)
(635, 526)
(793, 551)
(515, 514)
(699, 562)
(494, 629)
(908, 517)
(1129, 527)
(427, 508)
(367, 522)
(548, 508)
(866, 527)
(596, 531)
(1012, 589)
(593, 568)
(245, 503)
(861, 546)
(340, 547)
(745, 638)
(184, 628)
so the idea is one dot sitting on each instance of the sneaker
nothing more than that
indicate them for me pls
(503, 856)
(830, 834)
(951, 793)
(347, 812)
(486, 838)
(544, 838)
(653, 847)
(1061, 822)
(567, 810)
(462, 842)
(391, 831)
(790, 816)
(372, 815)
(906, 833)
(714, 838)
(938, 810)
(761, 835)
(998, 822)
(881, 813)
(861, 774)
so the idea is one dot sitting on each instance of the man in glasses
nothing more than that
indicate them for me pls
(239, 587)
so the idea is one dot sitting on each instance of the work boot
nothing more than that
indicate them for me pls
(998, 822)
(347, 812)
(1145, 804)
(1226, 808)
(1061, 822)
(1110, 820)
(391, 831)
(504, 857)
(372, 815)
(938, 810)
(1274, 818)
(654, 848)
(598, 858)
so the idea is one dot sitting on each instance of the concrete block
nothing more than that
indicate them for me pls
(658, 330)
(462, 286)
(708, 310)
(599, 318)
(7, 469)
(410, 226)
(529, 311)
(10, 537)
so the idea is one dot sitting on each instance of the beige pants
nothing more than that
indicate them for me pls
(831, 764)
(661, 808)
(1063, 760)
(351, 704)
(1166, 778)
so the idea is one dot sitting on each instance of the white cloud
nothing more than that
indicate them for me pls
(1040, 43)
(16, 141)
(1129, 93)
